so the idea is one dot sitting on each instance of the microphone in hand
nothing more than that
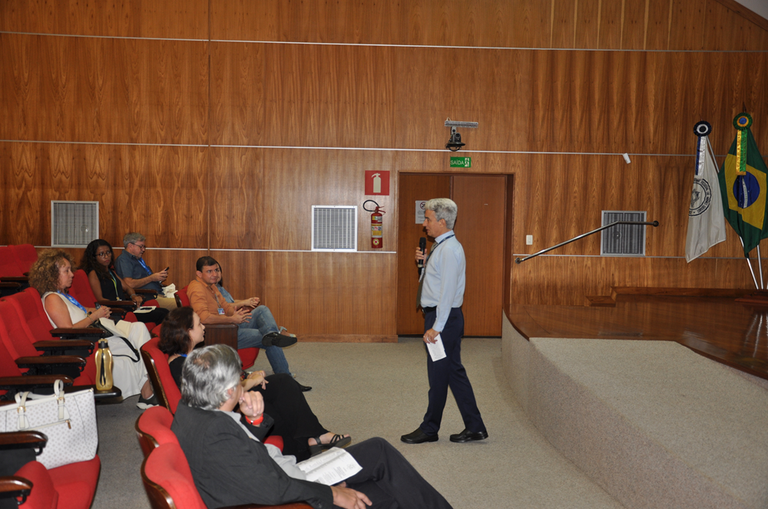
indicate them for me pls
(423, 247)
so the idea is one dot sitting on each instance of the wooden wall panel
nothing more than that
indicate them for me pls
(132, 119)
(158, 191)
(237, 209)
(322, 177)
(533, 281)
(583, 101)
(572, 24)
(244, 274)
(121, 18)
(333, 293)
(103, 90)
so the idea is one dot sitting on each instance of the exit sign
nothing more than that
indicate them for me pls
(461, 162)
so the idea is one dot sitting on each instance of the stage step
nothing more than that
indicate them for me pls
(653, 423)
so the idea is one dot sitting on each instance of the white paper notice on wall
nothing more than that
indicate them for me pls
(420, 204)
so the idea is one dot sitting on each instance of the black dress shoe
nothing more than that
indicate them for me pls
(277, 339)
(469, 436)
(418, 437)
(304, 388)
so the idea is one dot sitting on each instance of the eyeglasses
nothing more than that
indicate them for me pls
(143, 247)
(104, 254)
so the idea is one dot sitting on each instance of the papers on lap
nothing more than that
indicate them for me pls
(330, 467)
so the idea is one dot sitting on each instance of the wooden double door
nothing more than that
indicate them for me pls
(480, 227)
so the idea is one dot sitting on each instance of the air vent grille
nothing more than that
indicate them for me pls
(623, 239)
(334, 228)
(74, 223)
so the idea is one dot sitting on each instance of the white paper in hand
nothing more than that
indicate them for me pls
(330, 467)
(436, 349)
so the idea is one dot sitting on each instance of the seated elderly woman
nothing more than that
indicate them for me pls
(283, 399)
(51, 275)
(231, 466)
(97, 262)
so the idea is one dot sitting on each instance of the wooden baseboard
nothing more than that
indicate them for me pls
(346, 338)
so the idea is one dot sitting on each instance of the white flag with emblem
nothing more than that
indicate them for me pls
(706, 222)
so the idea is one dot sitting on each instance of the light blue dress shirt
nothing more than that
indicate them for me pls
(444, 278)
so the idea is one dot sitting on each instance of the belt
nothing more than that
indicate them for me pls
(429, 310)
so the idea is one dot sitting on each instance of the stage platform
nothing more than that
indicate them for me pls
(716, 327)
(654, 423)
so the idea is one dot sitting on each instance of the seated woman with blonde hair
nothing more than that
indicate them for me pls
(283, 399)
(51, 275)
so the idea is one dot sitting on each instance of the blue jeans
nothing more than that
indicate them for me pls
(251, 332)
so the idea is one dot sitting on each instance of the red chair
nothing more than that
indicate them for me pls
(156, 362)
(11, 377)
(153, 427)
(165, 472)
(67, 487)
(21, 341)
(225, 334)
(27, 357)
(168, 395)
(12, 277)
(26, 255)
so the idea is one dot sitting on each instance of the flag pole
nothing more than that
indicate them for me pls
(749, 264)
(760, 267)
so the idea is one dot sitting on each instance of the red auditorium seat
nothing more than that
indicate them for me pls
(68, 487)
(159, 372)
(26, 255)
(165, 471)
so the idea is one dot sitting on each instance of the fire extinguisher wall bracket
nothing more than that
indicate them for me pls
(377, 225)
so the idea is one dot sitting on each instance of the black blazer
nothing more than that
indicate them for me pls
(230, 468)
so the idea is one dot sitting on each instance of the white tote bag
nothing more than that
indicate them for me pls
(68, 420)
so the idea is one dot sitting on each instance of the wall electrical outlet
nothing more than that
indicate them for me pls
(529, 240)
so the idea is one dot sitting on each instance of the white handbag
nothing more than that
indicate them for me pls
(68, 420)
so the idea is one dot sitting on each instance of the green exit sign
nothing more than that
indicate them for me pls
(461, 162)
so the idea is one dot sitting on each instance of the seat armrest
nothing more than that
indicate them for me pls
(28, 438)
(55, 344)
(221, 334)
(82, 333)
(66, 365)
(39, 360)
(16, 487)
(121, 304)
(14, 279)
(78, 347)
(29, 382)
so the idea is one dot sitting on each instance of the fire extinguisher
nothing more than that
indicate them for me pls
(377, 225)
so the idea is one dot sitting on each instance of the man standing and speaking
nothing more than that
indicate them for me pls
(441, 296)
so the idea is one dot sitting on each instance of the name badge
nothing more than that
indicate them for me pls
(221, 311)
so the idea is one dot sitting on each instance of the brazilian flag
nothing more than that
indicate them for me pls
(743, 186)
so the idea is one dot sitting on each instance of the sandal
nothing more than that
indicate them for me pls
(336, 441)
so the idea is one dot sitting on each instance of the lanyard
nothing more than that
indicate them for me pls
(114, 282)
(73, 301)
(430, 255)
(141, 261)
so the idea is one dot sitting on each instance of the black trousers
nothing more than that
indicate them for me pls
(449, 372)
(389, 480)
(294, 419)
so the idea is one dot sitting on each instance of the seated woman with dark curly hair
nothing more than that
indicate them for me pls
(51, 275)
(283, 400)
(98, 264)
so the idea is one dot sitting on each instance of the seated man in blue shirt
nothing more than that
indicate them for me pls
(132, 268)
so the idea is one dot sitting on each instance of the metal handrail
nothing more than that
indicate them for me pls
(638, 223)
